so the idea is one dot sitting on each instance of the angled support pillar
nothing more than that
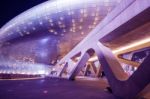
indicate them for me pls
(62, 70)
(139, 79)
(99, 71)
(93, 67)
(145, 93)
(86, 69)
(84, 58)
(123, 88)
(106, 56)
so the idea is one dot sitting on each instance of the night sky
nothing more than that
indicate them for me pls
(11, 8)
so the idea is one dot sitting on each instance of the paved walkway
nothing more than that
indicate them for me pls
(52, 88)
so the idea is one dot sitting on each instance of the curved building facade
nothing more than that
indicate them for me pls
(102, 44)
(45, 33)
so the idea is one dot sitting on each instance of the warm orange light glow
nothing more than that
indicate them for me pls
(93, 59)
(147, 40)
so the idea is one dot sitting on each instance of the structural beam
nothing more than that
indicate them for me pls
(123, 19)
(131, 86)
(79, 65)
(129, 62)
(117, 21)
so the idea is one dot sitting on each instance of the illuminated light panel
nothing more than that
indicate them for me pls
(51, 30)
(81, 11)
(61, 18)
(82, 33)
(52, 24)
(90, 27)
(21, 34)
(64, 30)
(71, 30)
(69, 13)
(41, 72)
(96, 18)
(80, 27)
(59, 22)
(62, 34)
(50, 20)
(94, 22)
(147, 40)
(55, 33)
(33, 28)
(24, 31)
(73, 24)
(62, 26)
(85, 15)
(72, 12)
(81, 20)
(28, 33)
(30, 23)
(73, 20)
(41, 23)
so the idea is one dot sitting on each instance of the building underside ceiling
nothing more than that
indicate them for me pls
(139, 34)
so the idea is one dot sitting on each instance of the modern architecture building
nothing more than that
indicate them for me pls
(80, 49)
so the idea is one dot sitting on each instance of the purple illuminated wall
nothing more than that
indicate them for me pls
(37, 49)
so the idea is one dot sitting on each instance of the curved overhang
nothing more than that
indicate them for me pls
(58, 17)
(63, 22)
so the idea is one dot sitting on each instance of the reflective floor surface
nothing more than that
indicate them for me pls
(52, 88)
